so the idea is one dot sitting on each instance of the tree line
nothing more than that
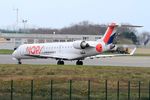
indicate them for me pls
(87, 28)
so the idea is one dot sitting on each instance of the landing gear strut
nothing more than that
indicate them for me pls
(60, 62)
(79, 62)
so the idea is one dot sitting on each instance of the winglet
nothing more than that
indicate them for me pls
(133, 51)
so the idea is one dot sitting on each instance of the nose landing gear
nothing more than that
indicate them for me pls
(19, 61)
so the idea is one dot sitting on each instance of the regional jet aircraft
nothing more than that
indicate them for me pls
(77, 50)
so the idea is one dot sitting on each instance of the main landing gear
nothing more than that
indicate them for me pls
(60, 62)
(79, 62)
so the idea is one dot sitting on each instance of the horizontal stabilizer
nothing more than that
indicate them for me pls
(131, 26)
(121, 25)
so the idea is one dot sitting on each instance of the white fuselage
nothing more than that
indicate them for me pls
(64, 50)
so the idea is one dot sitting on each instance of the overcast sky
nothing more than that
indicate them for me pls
(62, 13)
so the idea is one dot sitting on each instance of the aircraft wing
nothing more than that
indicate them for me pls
(53, 56)
(113, 55)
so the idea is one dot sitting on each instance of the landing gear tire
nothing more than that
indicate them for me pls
(79, 62)
(19, 62)
(60, 62)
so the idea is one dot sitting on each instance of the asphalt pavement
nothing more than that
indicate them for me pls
(134, 61)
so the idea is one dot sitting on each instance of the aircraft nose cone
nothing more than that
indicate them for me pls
(14, 54)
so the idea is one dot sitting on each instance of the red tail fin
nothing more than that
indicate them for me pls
(110, 33)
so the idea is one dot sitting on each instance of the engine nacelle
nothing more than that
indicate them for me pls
(80, 44)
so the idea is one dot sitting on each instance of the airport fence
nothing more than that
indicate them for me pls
(74, 90)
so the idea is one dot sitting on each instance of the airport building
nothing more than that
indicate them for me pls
(13, 40)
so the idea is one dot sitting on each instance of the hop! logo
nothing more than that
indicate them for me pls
(34, 49)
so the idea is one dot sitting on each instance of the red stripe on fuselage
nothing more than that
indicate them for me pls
(108, 34)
